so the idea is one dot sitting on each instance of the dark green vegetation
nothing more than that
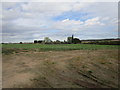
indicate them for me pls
(102, 42)
(58, 47)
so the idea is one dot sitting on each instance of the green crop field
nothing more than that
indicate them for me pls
(59, 47)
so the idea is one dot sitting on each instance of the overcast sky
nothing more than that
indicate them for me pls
(29, 21)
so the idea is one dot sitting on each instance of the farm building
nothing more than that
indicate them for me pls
(73, 40)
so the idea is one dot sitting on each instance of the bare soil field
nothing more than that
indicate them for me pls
(60, 69)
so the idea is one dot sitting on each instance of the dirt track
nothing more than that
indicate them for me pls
(61, 69)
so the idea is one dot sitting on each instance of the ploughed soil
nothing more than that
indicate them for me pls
(60, 69)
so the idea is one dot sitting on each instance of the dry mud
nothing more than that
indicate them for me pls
(60, 69)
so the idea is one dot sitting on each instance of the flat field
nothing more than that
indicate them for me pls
(59, 47)
(59, 66)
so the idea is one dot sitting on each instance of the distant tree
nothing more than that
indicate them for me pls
(40, 41)
(76, 40)
(58, 42)
(35, 41)
(65, 42)
(20, 42)
(47, 40)
(69, 39)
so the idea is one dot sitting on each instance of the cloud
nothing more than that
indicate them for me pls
(93, 21)
(76, 25)
(33, 9)
(60, 0)
(26, 21)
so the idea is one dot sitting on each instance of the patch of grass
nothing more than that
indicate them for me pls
(25, 51)
(90, 72)
(102, 62)
(23, 62)
(113, 77)
(16, 52)
(49, 63)
(84, 66)
(8, 51)
(53, 62)
(110, 63)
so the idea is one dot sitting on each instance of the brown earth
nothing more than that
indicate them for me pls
(61, 69)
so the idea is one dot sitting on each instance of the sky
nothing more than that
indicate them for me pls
(27, 21)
